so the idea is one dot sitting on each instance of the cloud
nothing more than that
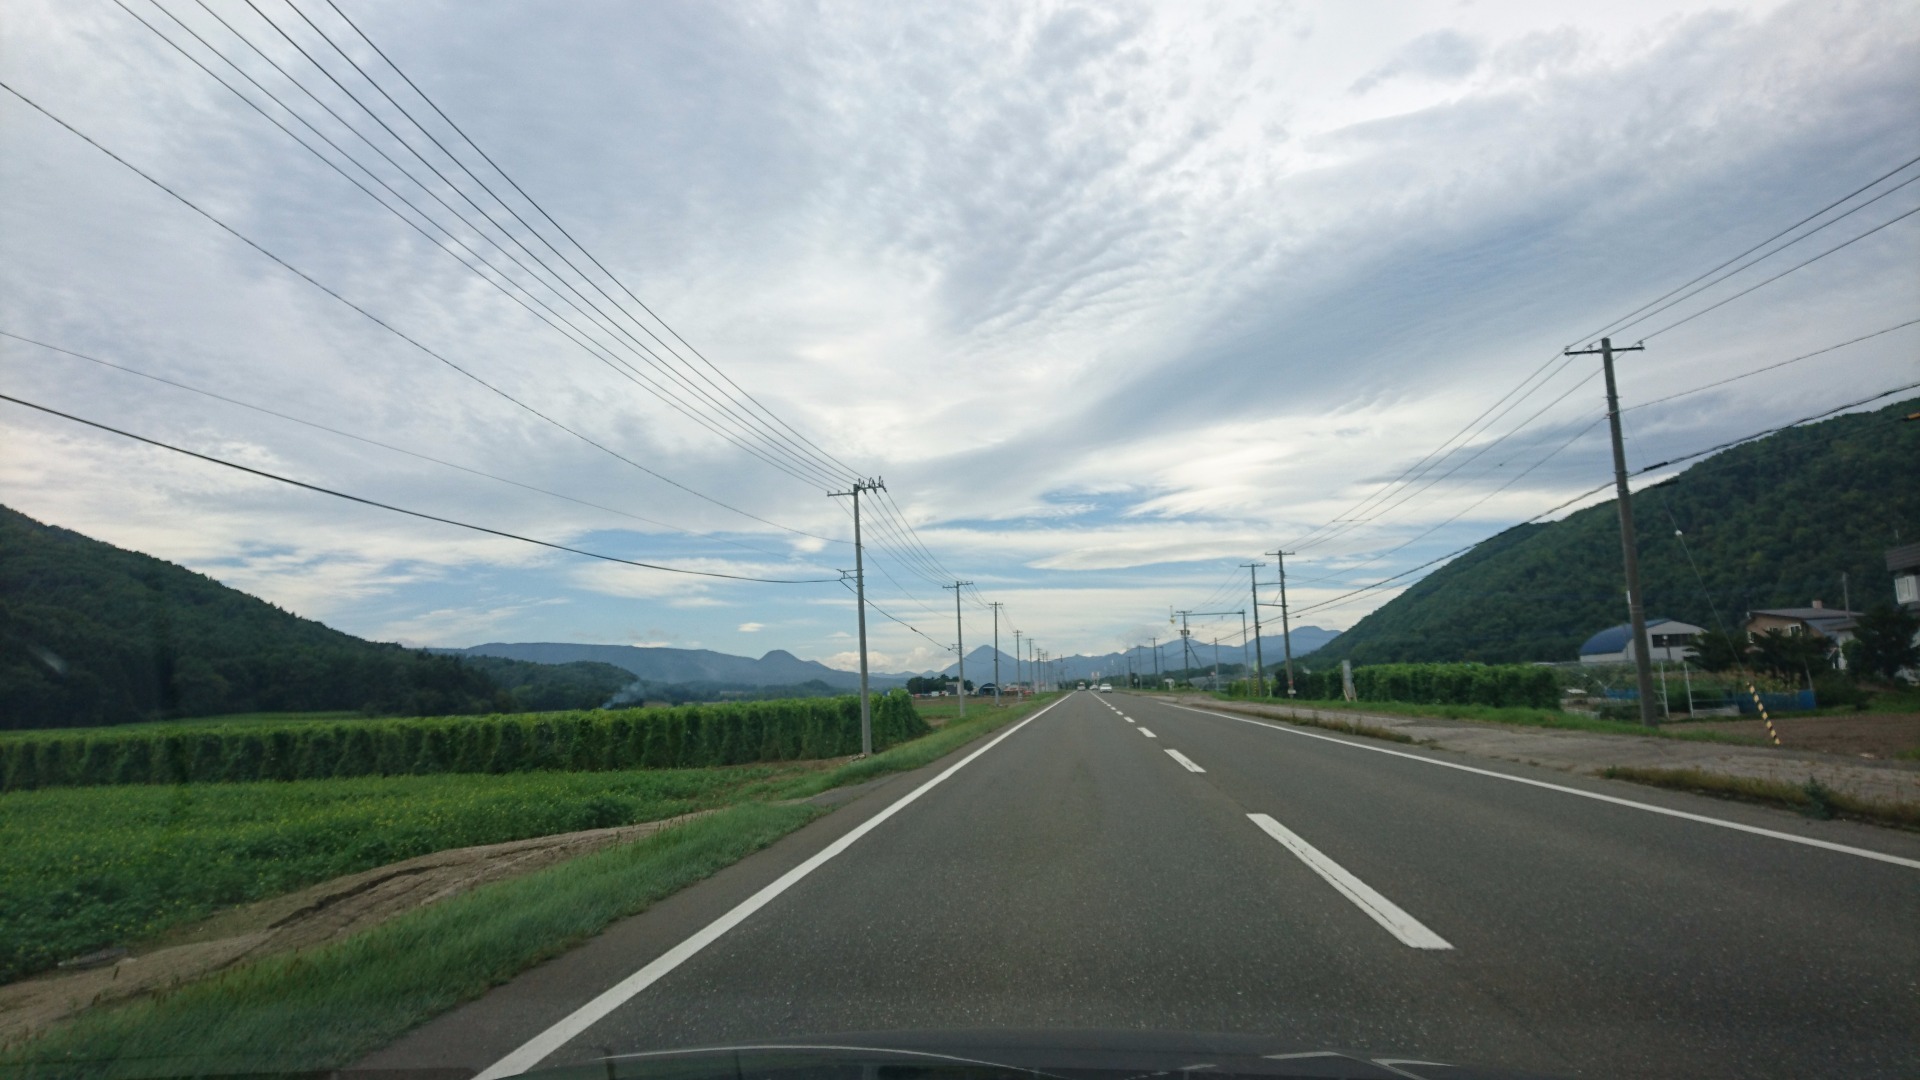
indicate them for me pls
(1443, 55)
(1114, 298)
(751, 627)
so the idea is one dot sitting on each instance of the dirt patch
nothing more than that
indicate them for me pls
(313, 916)
(1868, 735)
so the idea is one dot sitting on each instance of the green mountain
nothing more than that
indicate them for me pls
(1772, 523)
(94, 634)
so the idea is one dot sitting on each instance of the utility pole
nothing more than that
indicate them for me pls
(1243, 640)
(1186, 644)
(1259, 661)
(1016, 658)
(995, 605)
(960, 642)
(860, 605)
(1286, 627)
(1156, 662)
(1629, 548)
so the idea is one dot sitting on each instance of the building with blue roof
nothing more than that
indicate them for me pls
(1670, 639)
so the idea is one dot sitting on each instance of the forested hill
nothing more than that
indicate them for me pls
(1772, 523)
(94, 634)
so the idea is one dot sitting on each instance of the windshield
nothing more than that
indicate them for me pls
(1022, 539)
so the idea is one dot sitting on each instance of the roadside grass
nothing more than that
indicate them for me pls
(1546, 718)
(1813, 798)
(938, 711)
(326, 1007)
(89, 868)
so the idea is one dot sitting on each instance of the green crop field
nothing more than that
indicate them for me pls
(91, 867)
(693, 736)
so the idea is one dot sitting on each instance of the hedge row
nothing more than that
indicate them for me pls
(1440, 684)
(691, 736)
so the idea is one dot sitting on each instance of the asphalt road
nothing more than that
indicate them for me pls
(1313, 890)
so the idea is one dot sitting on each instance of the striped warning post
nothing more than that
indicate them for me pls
(1768, 720)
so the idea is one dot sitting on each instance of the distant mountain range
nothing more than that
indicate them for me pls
(1306, 639)
(694, 667)
(684, 666)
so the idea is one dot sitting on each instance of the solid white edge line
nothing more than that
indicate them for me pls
(1147, 733)
(1186, 762)
(536, 1049)
(1844, 849)
(1411, 931)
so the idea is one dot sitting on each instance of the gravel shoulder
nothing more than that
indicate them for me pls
(1873, 779)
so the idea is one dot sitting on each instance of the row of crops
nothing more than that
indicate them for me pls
(1502, 685)
(694, 736)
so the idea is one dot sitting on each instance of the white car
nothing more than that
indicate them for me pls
(1106, 688)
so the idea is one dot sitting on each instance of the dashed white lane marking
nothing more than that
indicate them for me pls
(1828, 845)
(1147, 733)
(1411, 931)
(1185, 761)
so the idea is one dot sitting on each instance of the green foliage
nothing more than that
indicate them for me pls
(92, 867)
(693, 736)
(321, 1009)
(1501, 686)
(1883, 642)
(1790, 656)
(1771, 523)
(91, 634)
(582, 684)
(1720, 650)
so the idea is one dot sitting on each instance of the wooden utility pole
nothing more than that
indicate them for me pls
(1286, 628)
(1259, 661)
(1629, 548)
(860, 606)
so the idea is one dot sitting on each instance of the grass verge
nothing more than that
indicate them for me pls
(327, 1007)
(88, 868)
(1546, 718)
(1813, 798)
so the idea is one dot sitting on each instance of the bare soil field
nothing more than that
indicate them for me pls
(1871, 735)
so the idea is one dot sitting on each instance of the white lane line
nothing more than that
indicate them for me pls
(1147, 733)
(1185, 761)
(1128, 719)
(537, 1048)
(1411, 931)
(1828, 845)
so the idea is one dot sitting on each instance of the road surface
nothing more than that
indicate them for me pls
(1123, 862)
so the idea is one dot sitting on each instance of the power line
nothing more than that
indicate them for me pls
(389, 327)
(1621, 323)
(1781, 274)
(1602, 487)
(541, 210)
(1771, 367)
(403, 510)
(599, 350)
(382, 445)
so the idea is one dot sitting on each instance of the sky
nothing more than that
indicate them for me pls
(1113, 298)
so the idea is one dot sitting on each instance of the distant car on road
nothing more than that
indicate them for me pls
(1083, 686)
(1106, 688)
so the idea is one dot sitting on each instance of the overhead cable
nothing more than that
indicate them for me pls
(403, 510)
(389, 327)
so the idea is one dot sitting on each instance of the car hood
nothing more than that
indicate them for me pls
(1016, 1055)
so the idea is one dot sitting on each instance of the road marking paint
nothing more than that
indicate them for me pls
(1185, 761)
(1128, 719)
(1411, 931)
(1827, 845)
(536, 1049)
(1147, 733)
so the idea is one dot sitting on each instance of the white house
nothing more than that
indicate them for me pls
(1670, 639)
